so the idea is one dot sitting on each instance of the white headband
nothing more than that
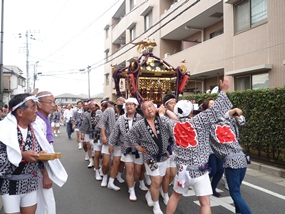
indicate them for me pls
(33, 98)
(44, 95)
(169, 100)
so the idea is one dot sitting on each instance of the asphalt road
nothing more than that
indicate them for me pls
(82, 194)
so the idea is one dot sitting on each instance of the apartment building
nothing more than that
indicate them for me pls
(242, 39)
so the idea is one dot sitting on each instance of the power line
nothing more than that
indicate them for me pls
(57, 15)
(82, 30)
(187, 8)
(50, 61)
(95, 67)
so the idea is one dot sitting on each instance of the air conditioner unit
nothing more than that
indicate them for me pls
(167, 55)
(231, 1)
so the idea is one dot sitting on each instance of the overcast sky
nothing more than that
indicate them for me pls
(69, 36)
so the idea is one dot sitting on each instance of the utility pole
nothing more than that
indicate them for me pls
(1, 54)
(31, 37)
(35, 74)
(27, 62)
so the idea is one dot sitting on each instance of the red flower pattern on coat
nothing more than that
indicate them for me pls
(185, 135)
(224, 134)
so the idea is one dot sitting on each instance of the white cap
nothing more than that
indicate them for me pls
(183, 108)
(132, 100)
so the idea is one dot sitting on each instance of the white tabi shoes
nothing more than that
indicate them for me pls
(157, 210)
(132, 196)
(104, 181)
(97, 175)
(79, 145)
(148, 198)
(91, 163)
(86, 157)
(112, 186)
(142, 186)
(120, 179)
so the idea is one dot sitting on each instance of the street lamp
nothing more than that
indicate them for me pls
(35, 74)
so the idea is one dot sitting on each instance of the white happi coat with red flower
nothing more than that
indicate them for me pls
(224, 141)
(191, 136)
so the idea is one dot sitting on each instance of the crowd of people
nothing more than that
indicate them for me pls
(156, 146)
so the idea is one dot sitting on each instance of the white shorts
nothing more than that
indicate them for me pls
(201, 185)
(132, 159)
(171, 163)
(76, 129)
(87, 139)
(12, 203)
(53, 124)
(97, 146)
(160, 171)
(116, 153)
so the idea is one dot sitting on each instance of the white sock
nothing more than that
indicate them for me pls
(105, 177)
(119, 175)
(142, 182)
(156, 204)
(166, 195)
(132, 189)
(111, 180)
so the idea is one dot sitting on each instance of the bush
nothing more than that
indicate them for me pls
(264, 110)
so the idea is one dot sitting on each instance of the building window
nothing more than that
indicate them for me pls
(248, 13)
(107, 33)
(132, 4)
(107, 55)
(66, 99)
(20, 82)
(133, 33)
(260, 81)
(242, 83)
(256, 81)
(216, 33)
(107, 79)
(73, 99)
(148, 20)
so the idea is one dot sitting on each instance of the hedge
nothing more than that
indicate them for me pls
(264, 110)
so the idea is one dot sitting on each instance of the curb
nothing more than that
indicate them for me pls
(270, 170)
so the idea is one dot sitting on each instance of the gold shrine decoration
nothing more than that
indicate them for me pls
(142, 45)
(183, 68)
(155, 83)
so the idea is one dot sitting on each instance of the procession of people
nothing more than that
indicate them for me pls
(155, 146)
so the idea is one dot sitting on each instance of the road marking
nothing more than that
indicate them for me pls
(214, 201)
(264, 190)
(227, 202)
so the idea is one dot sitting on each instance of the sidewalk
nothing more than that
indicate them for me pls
(269, 170)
